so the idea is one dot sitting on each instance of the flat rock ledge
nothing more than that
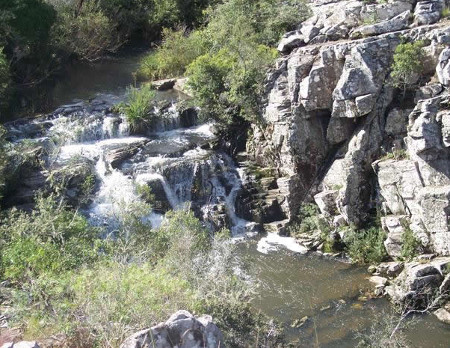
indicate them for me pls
(181, 330)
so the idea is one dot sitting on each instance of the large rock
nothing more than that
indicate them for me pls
(394, 225)
(182, 330)
(428, 12)
(418, 283)
(21, 344)
(397, 23)
(443, 67)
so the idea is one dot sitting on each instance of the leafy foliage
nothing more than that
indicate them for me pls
(365, 245)
(4, 76)
(63, 279)
(177, 50)
(226, 60)
(408, 64)
(88, 33)
(139, 104)
(51, 239)
(410, 244)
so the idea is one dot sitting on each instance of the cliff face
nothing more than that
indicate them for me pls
(332, 114)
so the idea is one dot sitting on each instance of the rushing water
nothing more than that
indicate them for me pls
(182, 169)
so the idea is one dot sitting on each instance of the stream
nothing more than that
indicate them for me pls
(176, 161)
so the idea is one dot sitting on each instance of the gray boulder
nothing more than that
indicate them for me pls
(21, 344)
(443, 67)
(399, 22)
(428, 12)
(182, 330)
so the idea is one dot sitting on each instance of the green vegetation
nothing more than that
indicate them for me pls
(4, 76)
(138, 105)
(445, 12)
(3, 160)
(408, 65)
(226, 60)
(61, 277)
(40, 36)
(365, 245)
(410, 244)
(312, 222)
(396, 154)
(177, 50)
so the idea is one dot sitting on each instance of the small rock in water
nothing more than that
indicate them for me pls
(377, 280)
(372, 269)
(325, 308)
(299, 322)
(357, 306)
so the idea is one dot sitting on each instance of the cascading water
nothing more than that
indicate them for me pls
(167, 158)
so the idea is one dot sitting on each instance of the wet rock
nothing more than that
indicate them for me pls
(377, 280)
(390, 269)
(116, 156)
(181, 330)
(443, 314)
(163, 85)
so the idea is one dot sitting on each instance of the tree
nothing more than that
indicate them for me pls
(408, 65)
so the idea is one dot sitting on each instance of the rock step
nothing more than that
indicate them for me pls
(278, 227)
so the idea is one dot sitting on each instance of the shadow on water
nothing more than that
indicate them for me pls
(333, 295)
(79, 81)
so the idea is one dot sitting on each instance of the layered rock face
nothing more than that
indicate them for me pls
(332, 114)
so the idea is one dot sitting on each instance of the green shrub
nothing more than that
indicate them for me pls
(365, 245)
(88, 33)
(445, 12)
(410, 244)
(138, 105)
(396, 154)
(177, 50)
(3, 160)
(99, 301)
(4, 76)
(51, 239)
(408, 64)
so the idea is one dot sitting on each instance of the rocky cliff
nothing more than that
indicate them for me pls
(335, 129)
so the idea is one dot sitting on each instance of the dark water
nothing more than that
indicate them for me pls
(333, 295)
(81, 81)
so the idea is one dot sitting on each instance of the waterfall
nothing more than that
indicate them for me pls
(174, 161)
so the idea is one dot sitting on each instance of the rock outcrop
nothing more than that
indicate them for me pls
(181, 330)
(336, 130)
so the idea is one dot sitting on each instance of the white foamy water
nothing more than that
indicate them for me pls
(273, 242)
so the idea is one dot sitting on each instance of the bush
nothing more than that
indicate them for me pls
(3, 161)
(177, 50)
(4, 76)
(410, 244)
(88, 33)
(408, 65)
(99, 301)
(139, 105)
(365, 245)
(51, 239)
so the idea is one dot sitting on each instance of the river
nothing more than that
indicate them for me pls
(177, 163)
